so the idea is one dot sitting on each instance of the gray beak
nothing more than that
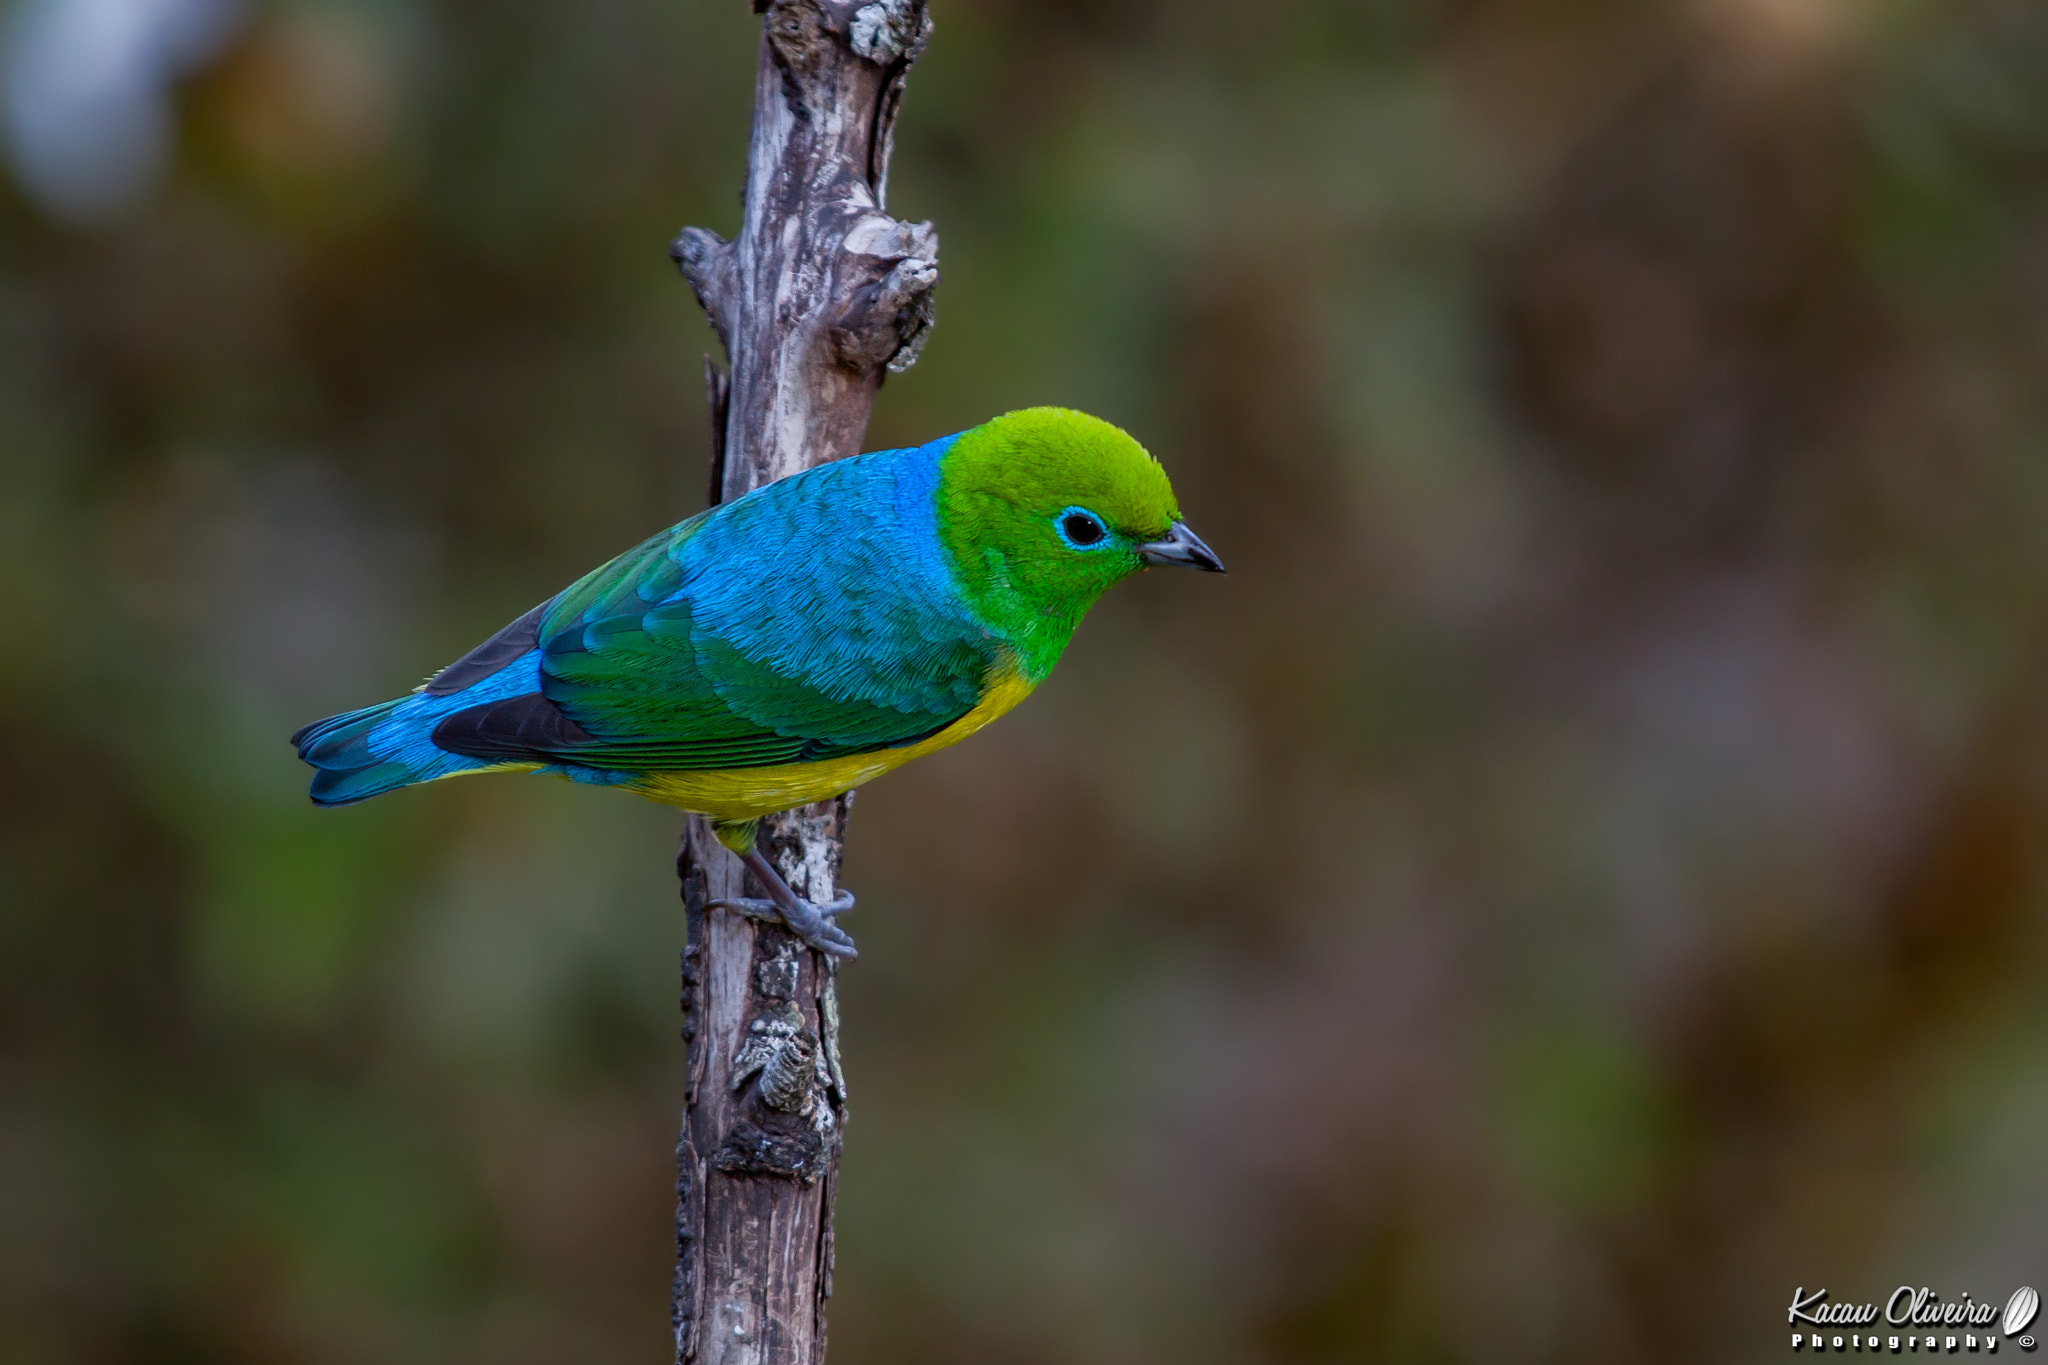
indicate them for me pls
(1182, 547)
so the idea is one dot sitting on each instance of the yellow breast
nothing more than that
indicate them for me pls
(744, 793)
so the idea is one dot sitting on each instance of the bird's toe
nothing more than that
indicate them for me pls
(753, 907)
(833, 940)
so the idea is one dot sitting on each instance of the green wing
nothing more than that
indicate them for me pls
(754, 649)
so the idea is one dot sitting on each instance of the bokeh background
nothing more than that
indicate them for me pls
(1579, 877)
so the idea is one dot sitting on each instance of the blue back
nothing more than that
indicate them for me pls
(815, 617)
(837, 578)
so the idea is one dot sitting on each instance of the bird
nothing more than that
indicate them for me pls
(795, 642)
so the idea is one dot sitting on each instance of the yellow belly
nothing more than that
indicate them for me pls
(744, 793)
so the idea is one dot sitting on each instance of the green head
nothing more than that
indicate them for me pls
(1042, 511)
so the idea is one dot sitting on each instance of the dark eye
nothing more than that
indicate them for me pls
(1081, 529)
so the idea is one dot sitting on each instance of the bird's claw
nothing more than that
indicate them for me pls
(809, 921)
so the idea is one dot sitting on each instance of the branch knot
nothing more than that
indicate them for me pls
(794, 1070)
(800, 31)
(886, 320)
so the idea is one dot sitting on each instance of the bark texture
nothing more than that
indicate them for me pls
(819, 293)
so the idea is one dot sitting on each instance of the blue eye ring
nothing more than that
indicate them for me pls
(1080, 529)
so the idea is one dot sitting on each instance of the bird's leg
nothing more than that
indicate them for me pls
(811, 923)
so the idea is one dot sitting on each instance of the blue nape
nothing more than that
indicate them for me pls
(855, 542)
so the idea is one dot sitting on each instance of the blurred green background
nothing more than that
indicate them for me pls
(1580, 876)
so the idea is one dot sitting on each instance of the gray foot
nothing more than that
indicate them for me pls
(808, 921)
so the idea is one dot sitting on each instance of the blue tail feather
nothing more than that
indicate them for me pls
(342, 741)
(344, 787)
(339, 747)
(360, 754)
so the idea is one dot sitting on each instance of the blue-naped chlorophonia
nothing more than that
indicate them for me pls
(796, 642)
